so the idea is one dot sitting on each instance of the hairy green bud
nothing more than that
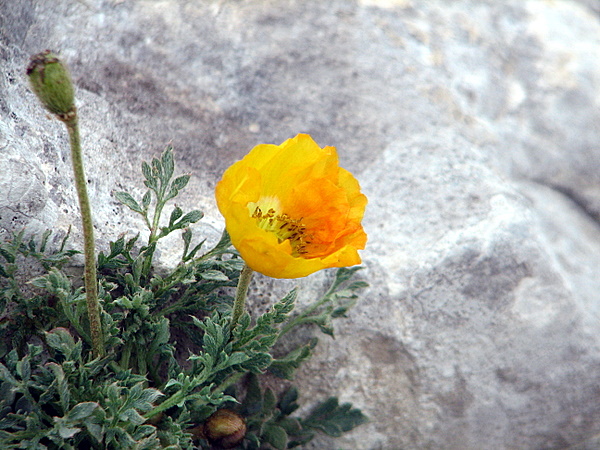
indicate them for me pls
(51, 82)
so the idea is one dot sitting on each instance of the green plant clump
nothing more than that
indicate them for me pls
(170, 359)
(138, 358)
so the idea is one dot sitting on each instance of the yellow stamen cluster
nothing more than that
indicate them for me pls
(284, 227)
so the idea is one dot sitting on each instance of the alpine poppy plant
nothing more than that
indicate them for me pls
(291, 210)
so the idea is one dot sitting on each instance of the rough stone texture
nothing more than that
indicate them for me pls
(473, 127)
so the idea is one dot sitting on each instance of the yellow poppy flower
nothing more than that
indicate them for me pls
(291, 210)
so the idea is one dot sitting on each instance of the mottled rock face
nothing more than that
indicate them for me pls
(473, 127)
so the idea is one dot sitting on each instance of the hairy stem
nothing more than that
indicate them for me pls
(168, 403)
(89, 249)
(153, 234)
(240, 295)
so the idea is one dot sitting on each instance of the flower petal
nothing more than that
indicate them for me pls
(319, 202)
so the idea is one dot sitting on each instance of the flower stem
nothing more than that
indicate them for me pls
(91, 282)
(240, 295)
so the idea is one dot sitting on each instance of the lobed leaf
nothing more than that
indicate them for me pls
(129, 201)
(334, 419)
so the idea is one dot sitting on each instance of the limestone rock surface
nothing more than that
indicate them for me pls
(473, 126)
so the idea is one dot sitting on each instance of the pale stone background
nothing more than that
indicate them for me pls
(473, 126)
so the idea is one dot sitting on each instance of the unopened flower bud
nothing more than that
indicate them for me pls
(51, 82)
(225, 428)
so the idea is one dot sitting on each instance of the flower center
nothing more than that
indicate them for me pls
(282, 225)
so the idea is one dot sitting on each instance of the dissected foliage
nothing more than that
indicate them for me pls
(171, 358)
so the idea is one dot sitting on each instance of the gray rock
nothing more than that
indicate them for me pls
(473, 127)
